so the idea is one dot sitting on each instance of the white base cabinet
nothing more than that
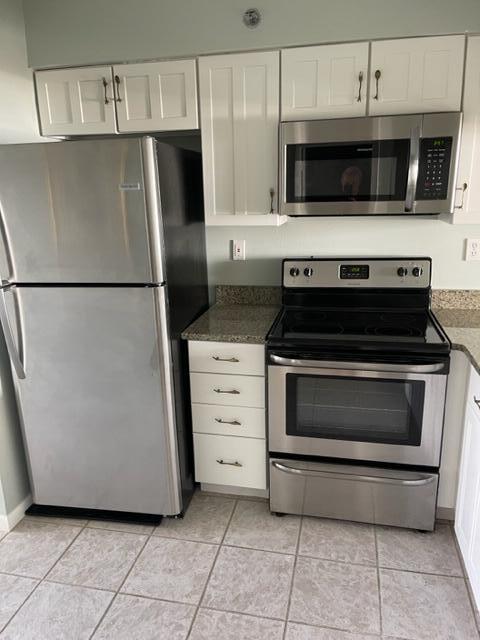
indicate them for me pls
(227, 382)
(467, 519)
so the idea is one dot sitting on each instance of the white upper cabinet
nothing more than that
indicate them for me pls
(416, 75)
(76, 101)
(328, 81)
(467, 202)
(239, 106)
(156, 96)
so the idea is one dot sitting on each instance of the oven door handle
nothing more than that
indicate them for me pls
(412, 170)
(358, 366)
(422, 479)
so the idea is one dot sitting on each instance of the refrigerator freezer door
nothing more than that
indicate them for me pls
(75, 212)
(96, 403)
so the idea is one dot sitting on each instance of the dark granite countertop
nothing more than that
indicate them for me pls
(248, 323)
(463, 328)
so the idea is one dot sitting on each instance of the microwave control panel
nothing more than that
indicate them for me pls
(434, 168)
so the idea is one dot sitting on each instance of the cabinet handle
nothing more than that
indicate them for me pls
(235, 463)
(235, 423)
(477, 401)
(234, 391)
(105, 85)
(360, 81)
(378, 74)
(117, 83)
(219, 359)
(272, 195)
(463, 188)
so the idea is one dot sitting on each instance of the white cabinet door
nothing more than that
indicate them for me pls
(416, 75)
(156, 96)
(467, 518)
(329, 81)
(467, 209)
(76, 101)
(239, 105)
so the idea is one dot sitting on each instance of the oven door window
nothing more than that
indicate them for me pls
(356, 409)
(345, 172)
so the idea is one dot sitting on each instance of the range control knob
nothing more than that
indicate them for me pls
(308, 272)
(417, 272)
(402, 271)
(294, 272)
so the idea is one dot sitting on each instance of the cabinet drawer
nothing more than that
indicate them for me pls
(247, 456)
(220, 389)
(227, 357)
(229, 421)
(474, 389)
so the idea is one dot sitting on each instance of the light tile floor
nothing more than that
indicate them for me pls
(231, 571)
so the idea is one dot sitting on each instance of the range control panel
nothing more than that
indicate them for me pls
(434, 168)
(374, 273)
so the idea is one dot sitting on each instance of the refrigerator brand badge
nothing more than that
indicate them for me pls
(130, 186)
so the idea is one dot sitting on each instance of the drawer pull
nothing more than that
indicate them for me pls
(219, 359)
(235, 423)
(477, 401)
(234, 391)
(230, 464)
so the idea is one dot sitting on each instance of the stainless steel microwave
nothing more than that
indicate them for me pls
(389, 165)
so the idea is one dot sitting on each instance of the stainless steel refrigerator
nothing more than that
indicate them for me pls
(103, 265)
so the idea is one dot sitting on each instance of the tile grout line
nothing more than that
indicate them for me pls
(197, 609)
(380, 615)
(115, 594)
(290, 591)
(40, 580)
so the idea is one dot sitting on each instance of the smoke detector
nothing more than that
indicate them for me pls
(252, 18)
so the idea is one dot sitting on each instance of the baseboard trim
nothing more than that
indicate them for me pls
(234, 491)
(9, 521)
(446, 513)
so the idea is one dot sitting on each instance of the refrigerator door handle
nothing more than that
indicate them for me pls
(153, 209)
(12, 349)
(165, 357)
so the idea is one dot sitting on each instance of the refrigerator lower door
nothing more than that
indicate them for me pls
(96, 402)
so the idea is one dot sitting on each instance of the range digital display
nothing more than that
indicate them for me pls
(354, 272)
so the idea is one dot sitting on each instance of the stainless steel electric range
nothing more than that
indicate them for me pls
(357, 375)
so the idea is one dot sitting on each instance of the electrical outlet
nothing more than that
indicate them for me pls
(238, 249)
(473, 249)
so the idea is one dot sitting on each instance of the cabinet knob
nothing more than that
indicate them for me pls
(378, 75)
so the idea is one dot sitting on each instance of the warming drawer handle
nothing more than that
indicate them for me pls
(234, 391)
(421, 481)
(360, 366)
(235, 463)
(235, 423)
(219, 359)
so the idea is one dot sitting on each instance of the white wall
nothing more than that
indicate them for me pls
(18, 121)
(266, 246)
(68, 32)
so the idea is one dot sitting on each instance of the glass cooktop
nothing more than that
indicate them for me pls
(311, 325)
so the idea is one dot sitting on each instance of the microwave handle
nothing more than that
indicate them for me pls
(412, 169)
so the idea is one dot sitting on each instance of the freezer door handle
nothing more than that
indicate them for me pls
(12, 349)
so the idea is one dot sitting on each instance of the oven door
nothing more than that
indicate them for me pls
(355, 166)
(377, 412)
